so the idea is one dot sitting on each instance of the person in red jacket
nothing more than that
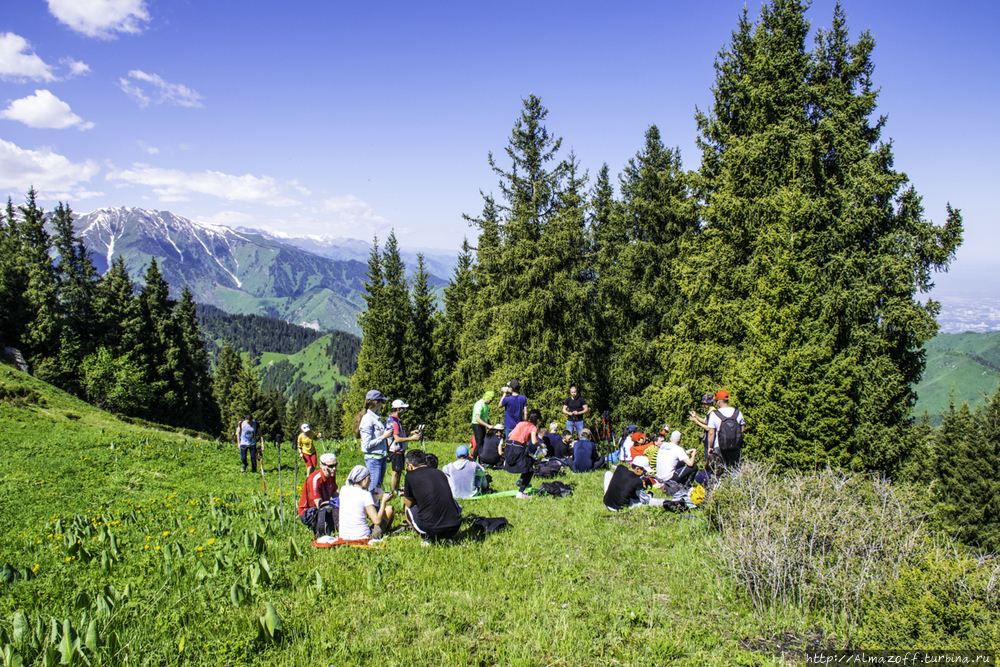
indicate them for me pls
(318, 503)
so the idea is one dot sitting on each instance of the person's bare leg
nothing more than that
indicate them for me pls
(394, 481)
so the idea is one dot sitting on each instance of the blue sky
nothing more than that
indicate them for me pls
(330, 117)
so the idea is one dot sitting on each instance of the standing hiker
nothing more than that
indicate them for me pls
(369, 428)
(725, 430)
(398, 446)
(515, 406)
(307, 448)
(247, 438)
(481, 422)
(575, 408)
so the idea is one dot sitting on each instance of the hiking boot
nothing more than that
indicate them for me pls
(243, 469)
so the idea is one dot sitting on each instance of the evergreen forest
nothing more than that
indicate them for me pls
(789, 269)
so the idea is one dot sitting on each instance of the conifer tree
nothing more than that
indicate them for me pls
(447, 334)
(800, 287)
(40, 339)
(419, 357)
(13, 279)
(192, 376)
(226, 374)
(161, 350)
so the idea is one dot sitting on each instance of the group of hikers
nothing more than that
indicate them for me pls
(359, 511)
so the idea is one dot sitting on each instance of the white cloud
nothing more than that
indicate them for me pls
(18, 62)
(44, 110)
(76, 68)
(351, 209)
(152, 150)
(50, 173)
(101, 18)
(174, 185)
(170, 93)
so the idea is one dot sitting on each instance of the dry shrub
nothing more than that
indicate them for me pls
(819, 540)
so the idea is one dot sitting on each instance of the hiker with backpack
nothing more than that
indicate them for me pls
(247, 438)
(317, 507)
(515, 452)
(725, 430)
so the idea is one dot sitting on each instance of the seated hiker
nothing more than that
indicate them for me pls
(539, 451)
(317, 508)
(357, 508)
(640, 443)
(553, 441)
(564, 450)
(673, 463)
(431, 460)
(430, 507)
(626, 488)
(515, 453)
(465, 477)
(625, 444)
(585, 456)
(492, 446)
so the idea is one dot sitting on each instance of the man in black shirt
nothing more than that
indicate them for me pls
(627, 490)
(430, 507)
(575, 408)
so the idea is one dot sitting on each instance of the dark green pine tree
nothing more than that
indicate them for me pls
(77, 281)
(801, 286)
(198, 407)
(226, 375)
(639, 291)
(420, 361)
(161, 345)
(605, 242)
(458, 294)
(13, 279)
(117, 314)
(40, 339)
(968, 469)
(375, 342)
(399, 315)
(246, 398)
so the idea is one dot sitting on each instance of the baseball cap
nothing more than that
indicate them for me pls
(305, 428)
(675, 436)
(642, 462)
(722, 395)
(636, 437)
(398, 403)
(461, 450)
(631, 428)
(375, 395)
(329, 458)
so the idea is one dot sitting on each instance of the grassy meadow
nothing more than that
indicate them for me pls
(123, 545)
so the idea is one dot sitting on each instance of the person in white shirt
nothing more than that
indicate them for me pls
(730, 455)
(357, 507)
(673, 463)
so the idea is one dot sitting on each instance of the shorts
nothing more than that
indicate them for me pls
(397, 461)
(310, 460)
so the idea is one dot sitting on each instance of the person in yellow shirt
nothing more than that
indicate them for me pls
(307, 448)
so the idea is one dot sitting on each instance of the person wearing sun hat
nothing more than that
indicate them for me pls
(318, 503)
(398, 445)
(357, 508)
(307, 448)
(465, 477)
(481, 421)
(370, 429)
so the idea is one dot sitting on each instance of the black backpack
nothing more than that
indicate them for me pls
(729, 435)
(548, 469)
(484, 525)
(557, 489)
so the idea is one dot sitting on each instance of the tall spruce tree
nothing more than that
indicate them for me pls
(226, 375)
(458, 295)
(161, 349)
(419, 359)
(13, 279)
(40, 338)
(193, 378)
(528, 318)
(801, 285)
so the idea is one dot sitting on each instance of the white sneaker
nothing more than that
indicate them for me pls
(425, 543)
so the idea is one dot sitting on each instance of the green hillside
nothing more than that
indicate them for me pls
(322, 369)
(966, 363)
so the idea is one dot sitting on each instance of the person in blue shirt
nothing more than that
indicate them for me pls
(515, 406)
(585, 456)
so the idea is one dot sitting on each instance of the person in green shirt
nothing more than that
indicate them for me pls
(481, 421)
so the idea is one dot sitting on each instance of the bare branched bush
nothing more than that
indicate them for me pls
(818, 540)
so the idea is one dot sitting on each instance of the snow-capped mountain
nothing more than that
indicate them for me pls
(239, 272)
(439, 262)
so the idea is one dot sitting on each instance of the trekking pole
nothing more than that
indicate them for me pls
(260, 458)
(281, 498)
(297, 456)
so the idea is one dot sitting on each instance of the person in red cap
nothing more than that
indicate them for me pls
(725, 430)
(640, 443)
